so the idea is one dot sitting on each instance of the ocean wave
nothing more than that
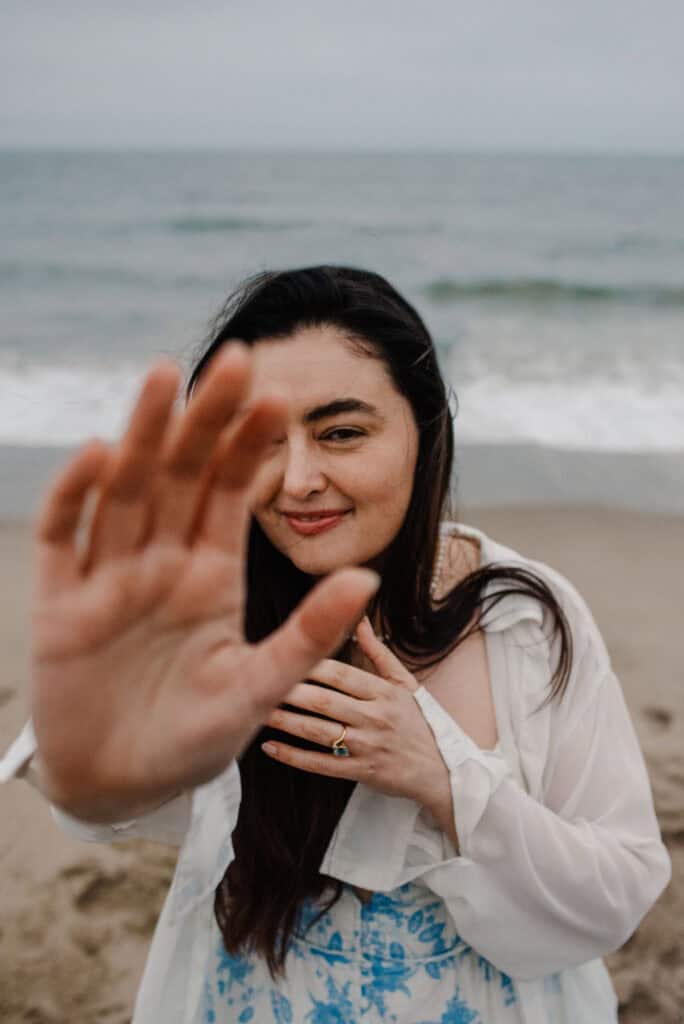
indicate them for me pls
(380, 230)
(543, 291)
(50, 273)
(628, 242)
(58, 405)
(201, 225)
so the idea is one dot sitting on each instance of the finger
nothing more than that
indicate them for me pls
(346, 678)
(123, 506)
(385, 661)
(309, 761)
(317, 627)
(193, 440)
(223, 513)
(307, 727)
(338, 706)
(61, 513)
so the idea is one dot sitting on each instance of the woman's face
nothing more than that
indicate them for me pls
(334, 489)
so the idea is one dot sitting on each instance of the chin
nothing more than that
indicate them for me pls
(318, 556)
(321, 565)
(319, 559)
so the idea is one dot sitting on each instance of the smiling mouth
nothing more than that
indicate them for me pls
(313, 517)
(314, 522)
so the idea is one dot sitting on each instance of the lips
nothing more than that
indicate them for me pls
(307, 524)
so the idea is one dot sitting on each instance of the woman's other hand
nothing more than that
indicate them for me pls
(392, 748)
(142, 681)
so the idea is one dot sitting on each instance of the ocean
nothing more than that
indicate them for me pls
(553, 285)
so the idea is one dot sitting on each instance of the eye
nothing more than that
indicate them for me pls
(342, 434)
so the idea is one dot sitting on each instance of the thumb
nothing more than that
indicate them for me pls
(385, 661)
(315, 629)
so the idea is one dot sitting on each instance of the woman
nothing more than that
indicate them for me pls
(452, 821)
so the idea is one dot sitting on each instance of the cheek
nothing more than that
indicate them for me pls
(390, 482)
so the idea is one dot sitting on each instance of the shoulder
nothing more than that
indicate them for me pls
(521, 615)
(467, 548)
(494, 553)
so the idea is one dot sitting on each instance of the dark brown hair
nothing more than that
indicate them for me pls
(287, 816)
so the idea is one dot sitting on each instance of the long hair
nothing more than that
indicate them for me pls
(287, 816)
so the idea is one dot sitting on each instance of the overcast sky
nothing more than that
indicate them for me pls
(522, 74)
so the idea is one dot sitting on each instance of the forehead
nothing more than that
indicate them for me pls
(317, 364)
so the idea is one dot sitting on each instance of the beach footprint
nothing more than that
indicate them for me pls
(127, 896)
(6, 695)
(658, 716)
(667, 778)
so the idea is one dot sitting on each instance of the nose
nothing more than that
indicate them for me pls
(303, 473)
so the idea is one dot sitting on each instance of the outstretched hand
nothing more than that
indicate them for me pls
(142, 681)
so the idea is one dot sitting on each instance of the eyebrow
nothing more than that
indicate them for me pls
(340, 405)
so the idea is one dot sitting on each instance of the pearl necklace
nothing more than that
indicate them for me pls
(439, 566)
(434, 584)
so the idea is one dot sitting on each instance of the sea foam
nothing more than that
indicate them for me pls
(44, 406)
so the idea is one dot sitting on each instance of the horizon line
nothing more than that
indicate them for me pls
(426, 150)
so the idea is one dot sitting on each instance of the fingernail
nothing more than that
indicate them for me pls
(373, 577)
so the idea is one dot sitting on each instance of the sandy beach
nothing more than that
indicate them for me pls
(77, 918)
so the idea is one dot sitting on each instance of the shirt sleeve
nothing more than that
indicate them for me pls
(542, 886)
(165, 824)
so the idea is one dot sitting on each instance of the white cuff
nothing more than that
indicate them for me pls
(15, 760)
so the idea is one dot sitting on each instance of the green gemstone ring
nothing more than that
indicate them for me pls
(338, 748)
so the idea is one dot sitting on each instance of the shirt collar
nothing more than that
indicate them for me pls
(513, 608)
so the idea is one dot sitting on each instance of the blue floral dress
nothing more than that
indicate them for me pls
(397, 958)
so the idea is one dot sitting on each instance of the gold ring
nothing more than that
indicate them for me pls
(338, 748)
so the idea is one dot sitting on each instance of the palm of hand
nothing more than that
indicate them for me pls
(128, 653)
(142, 682)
